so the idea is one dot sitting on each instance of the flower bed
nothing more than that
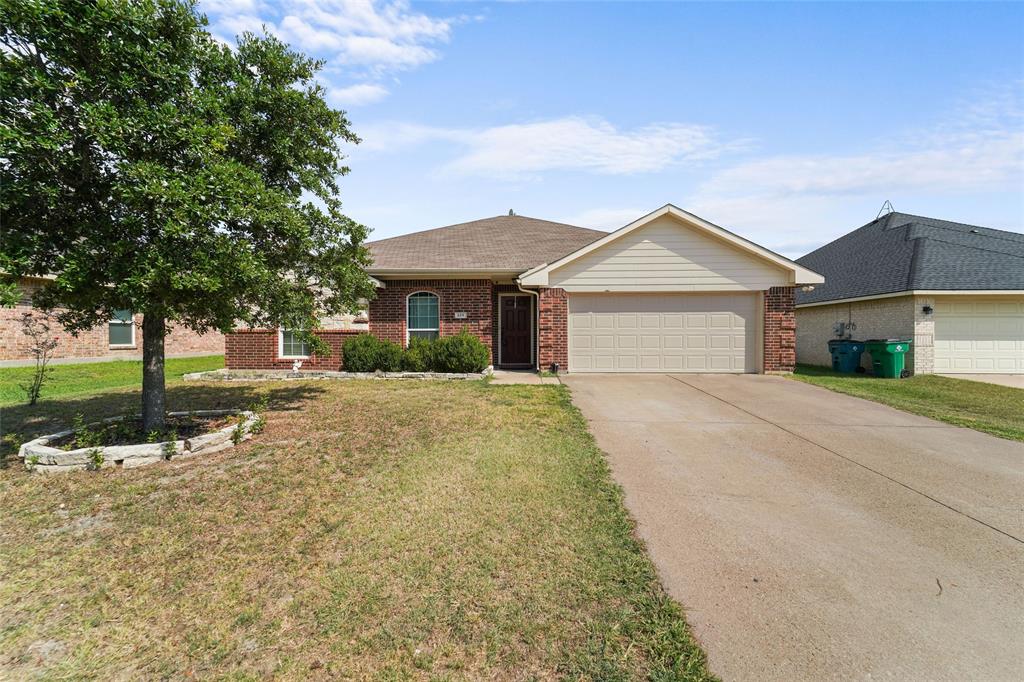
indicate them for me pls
(114, 441)
(283, 374)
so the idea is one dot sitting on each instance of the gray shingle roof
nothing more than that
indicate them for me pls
(901, 252)
(502, 243)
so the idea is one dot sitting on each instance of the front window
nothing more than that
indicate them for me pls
(423, 319)
(121, 329)
(291, 345)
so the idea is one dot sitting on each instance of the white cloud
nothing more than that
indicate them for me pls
(980, 149)
(572, 143)
(377, 37)
(357, 95)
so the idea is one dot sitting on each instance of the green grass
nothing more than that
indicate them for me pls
(375, 529)
(998, 410)
(94, 377)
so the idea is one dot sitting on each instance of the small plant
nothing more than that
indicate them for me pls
(460, 353)
(37, 328)
(238, 434)
(417, 356)
(31, 462)
(85, 437)
(367, 353)
(95, 459)
(258, 424)
(153, 436)
(170, 447)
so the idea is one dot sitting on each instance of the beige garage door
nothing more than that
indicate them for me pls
(662, 332)
(979, 336)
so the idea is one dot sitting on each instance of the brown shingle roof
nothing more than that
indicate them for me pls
(502, 243)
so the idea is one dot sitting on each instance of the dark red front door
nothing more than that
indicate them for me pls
(516, 319)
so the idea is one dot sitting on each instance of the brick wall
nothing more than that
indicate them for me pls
(257, 349)
(554, 328)
(779, 329)
(475, 297)
(898, 317)
(93, 343)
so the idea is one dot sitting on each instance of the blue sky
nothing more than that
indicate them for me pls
(787, 123)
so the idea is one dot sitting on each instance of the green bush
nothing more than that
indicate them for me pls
(460, 353)
(417, 356)
(367, 353)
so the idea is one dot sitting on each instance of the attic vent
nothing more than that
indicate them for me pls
(975, 232)
(511, 212)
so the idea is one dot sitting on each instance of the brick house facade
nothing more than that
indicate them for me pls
(92, 344)
(478, 299)
(669, 292)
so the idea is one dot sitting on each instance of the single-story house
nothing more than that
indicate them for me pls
(955, 290)
(669, 292)
(120, 339)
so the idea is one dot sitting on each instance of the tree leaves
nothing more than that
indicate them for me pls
(149, 167)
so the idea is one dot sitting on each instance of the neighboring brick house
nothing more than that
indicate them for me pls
(955, 290)
(120, 339)
(670, 292)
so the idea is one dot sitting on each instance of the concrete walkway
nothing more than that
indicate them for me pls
(811, 535)
(1011, 380)
(504, 376)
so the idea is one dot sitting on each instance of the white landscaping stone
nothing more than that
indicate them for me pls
(39, 456)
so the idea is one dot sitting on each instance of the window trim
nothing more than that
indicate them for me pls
(408, 329)
(280, 346)
(130, 323)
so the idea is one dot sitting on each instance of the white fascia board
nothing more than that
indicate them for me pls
(917, 292)
(801, 275)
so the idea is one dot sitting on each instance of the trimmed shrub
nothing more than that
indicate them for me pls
(417, 356)
(367, 353)
(460, 353)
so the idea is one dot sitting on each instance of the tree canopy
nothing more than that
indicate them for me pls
(146, 166)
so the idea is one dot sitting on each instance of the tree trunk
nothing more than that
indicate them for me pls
(154, 397)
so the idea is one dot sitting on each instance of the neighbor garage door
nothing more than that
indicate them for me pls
(662, 333)
(979, 336)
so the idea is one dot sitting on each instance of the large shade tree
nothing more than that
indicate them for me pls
(146, 166)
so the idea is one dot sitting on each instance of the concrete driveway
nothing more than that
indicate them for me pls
(812, 535)
(1011, 380)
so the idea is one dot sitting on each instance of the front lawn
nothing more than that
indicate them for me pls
(998, 410)
(93, 377)
(386, 529)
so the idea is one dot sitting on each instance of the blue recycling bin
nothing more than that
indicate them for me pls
(845, 355)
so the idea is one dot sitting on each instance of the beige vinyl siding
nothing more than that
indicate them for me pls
(668, 256)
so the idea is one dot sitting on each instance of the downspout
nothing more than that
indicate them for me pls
(536, 322)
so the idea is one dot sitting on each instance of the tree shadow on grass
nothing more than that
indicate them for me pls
(23, 422)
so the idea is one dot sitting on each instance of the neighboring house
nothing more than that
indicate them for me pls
(120, 339)
(956, 290)
(669, 292)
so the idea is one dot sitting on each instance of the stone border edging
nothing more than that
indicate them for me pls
(38, 455)
(286, 375)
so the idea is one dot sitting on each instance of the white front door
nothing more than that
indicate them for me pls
(978, 336)
(667, 332)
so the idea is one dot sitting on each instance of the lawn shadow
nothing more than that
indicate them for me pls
(22, 422)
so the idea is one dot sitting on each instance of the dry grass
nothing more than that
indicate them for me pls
(426, 530)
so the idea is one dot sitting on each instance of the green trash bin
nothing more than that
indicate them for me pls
(887, 357)
(846, 355)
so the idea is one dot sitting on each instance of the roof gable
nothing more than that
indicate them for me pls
(795, 274)
(901, 252)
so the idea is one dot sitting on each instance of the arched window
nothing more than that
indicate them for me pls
(422, 317)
